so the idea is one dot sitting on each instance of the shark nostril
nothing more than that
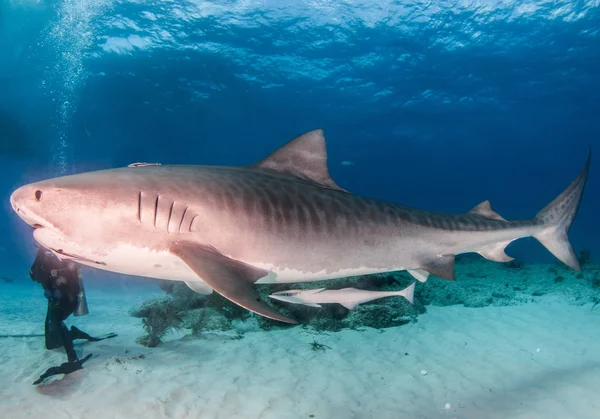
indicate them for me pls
(38, 195)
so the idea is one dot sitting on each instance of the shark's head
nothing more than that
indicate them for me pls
(71, 212)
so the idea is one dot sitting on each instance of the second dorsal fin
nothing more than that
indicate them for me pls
(304, 157)
(485, 210)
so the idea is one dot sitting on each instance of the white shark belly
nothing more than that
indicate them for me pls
(128, 259)
(282, 275)
(141, 261)
(145, 262)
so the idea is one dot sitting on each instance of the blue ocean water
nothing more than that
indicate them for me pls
(441, 105)
(438, 105)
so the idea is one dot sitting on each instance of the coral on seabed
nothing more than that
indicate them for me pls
(158, 317)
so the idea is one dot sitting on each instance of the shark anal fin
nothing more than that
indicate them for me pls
(304, 157)
(441, 266)
(495, 252)
(350, 306)
(485, 210)
(231, 278)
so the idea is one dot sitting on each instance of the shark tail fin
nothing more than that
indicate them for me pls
(408, 293)
(557, 218)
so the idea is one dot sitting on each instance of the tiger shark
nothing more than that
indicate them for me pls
(280, 220)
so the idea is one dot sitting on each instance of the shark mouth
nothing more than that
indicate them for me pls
(55, 241)
(60, 252)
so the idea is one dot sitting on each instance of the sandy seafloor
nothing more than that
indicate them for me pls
(535, 360)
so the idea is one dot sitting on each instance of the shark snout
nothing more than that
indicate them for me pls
(23, 201)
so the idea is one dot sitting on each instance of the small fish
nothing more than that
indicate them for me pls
(348, 163)
(143, 164)
(348, 297)
(85, 129)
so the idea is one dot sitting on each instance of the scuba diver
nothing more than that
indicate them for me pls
(64, 290)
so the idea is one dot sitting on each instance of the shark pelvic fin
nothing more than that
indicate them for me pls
(350, 306)
(441, 266)
(199, 287)
(231, 278)
(304, 157)
(495, 252)
(420, 275)
(485, 210)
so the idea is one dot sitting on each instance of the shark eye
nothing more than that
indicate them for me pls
(38, 195)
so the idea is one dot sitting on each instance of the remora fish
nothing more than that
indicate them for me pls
(348, 297)
(282, 219)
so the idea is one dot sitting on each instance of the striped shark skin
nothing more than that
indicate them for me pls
(280, 220)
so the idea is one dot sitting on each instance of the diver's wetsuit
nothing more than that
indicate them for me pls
(61, 291)
(60, 280)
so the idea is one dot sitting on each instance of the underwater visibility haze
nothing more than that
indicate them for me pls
(310, 162)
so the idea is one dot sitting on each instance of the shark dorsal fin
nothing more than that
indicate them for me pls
(304, 157)
(485, 210)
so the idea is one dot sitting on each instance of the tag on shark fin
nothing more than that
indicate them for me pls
(199, 287)
(485, 210)
(420, 275)
(231, 278)
(304, 157)
(495, 252)
(441, 266)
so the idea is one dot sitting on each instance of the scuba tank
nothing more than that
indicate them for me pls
(82, 306)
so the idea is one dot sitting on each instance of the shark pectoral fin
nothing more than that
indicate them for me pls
(420, 275)
(441, 266)
(485, 210)
(495, 252)
(199, 287)
(312, 304)
(231, 278)
(349, 306)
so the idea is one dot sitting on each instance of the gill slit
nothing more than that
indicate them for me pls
(182, 218)
(140, 207)
(192, 222)
(156, 209)
(170, 215)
